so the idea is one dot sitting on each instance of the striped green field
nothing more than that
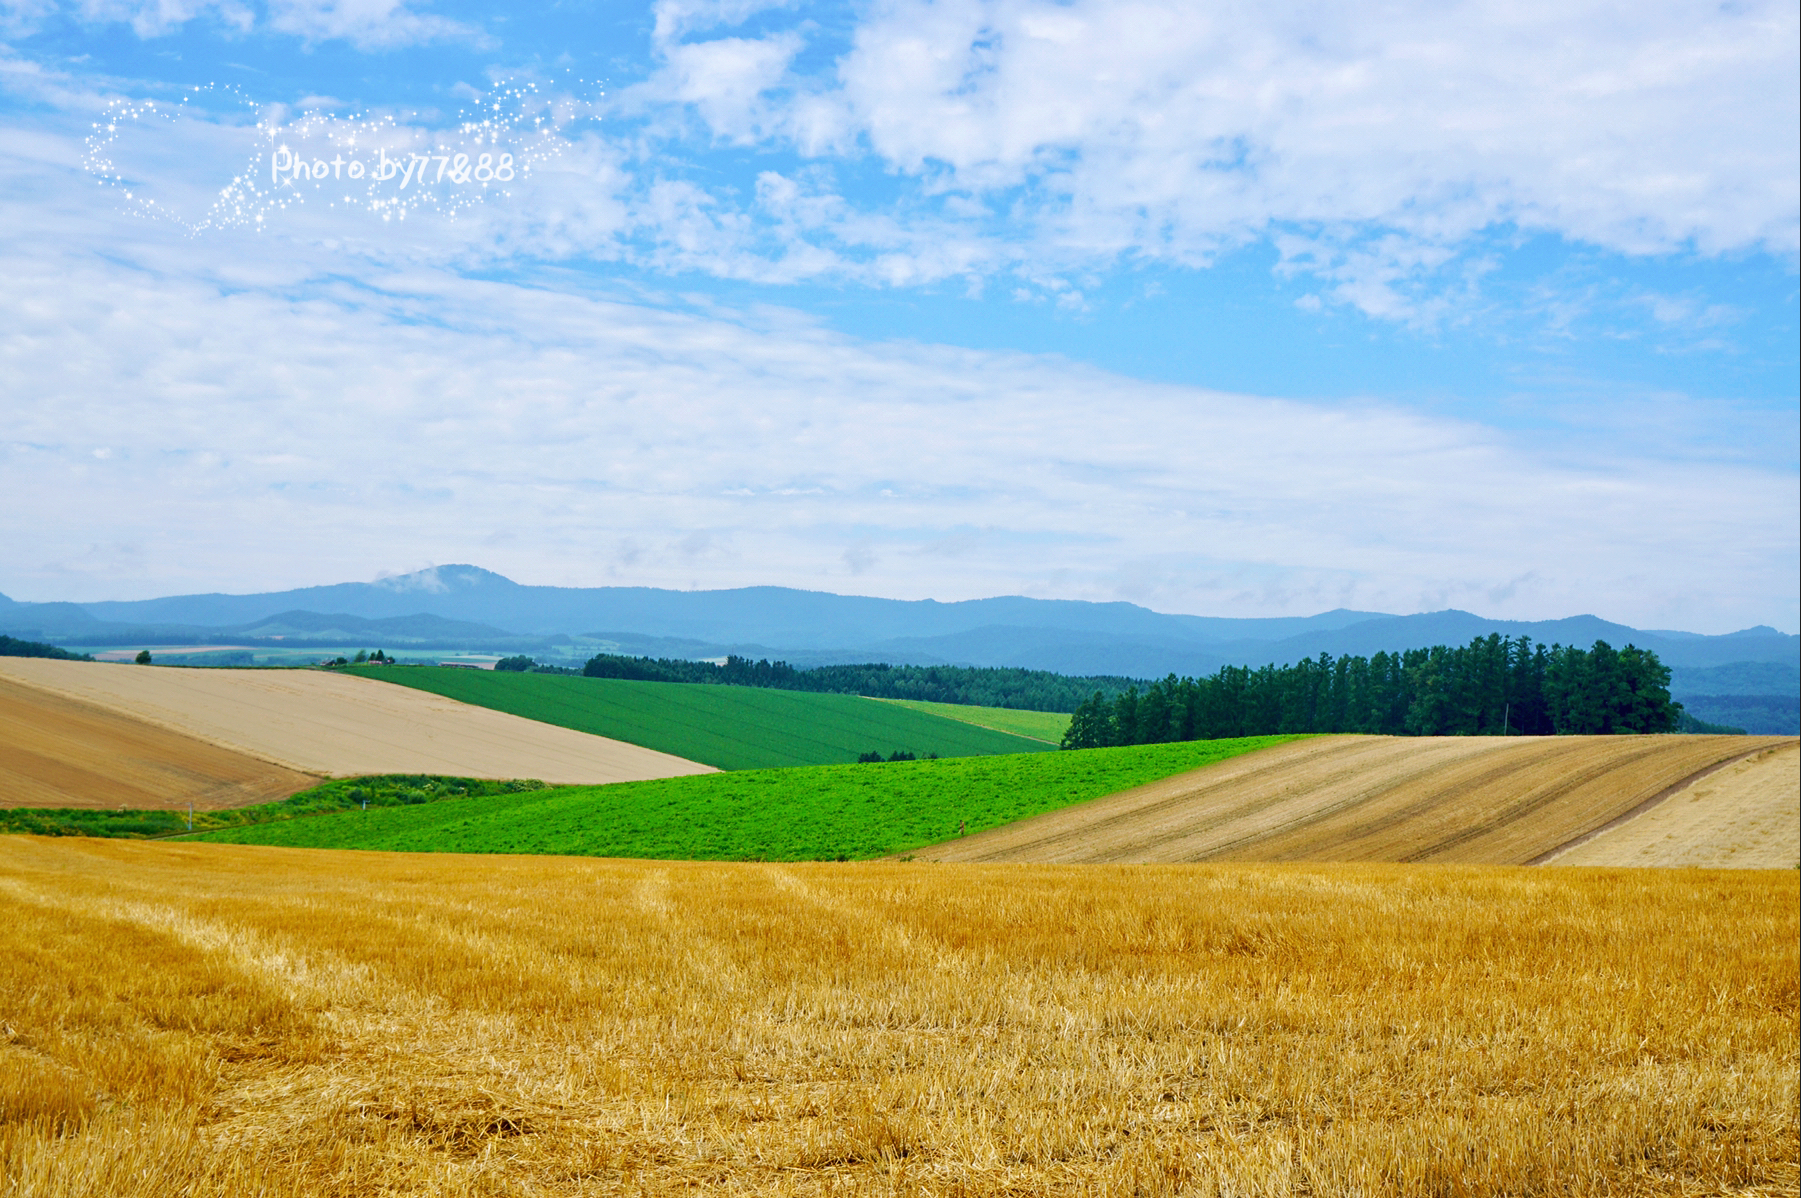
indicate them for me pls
(822, 813)
(730, 727)
(1039, 725)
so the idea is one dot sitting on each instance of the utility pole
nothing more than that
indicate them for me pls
(1506, 711)
(190, 815)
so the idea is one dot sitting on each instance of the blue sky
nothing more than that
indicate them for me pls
(1231, 309)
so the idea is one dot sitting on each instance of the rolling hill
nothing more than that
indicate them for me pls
(322, 723)
(845, 812)
(1465, 800)
(730, 727)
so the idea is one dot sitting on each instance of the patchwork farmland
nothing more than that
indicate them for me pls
(828, 812)
(318, 723)
(216, 1019)
(731, 727)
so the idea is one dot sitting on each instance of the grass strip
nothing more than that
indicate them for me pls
(729, 727)
(822, 813)
(1047, 726)
(340, 794)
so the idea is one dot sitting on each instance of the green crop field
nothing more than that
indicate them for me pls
(1039, 725)
(820, 813)
(731, 727)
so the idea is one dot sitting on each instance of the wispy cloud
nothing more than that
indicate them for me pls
(366, 24)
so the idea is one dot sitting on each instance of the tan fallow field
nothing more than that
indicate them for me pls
(1746, 815)
(212, 1020)
(1464, 800)
(316, 722)
(58, 752)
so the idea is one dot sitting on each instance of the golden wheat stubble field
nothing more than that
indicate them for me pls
(224, 1020)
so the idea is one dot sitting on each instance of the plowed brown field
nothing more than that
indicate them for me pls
(320, 723)
(57, 752)
(1474, 800)
(1744, 816)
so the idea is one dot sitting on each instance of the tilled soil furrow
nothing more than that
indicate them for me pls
(1628, 761)
(1444, 800)
(1311, 810)
(1233, 824)
(1646, 804)
(1448, 812)
(1082, 828)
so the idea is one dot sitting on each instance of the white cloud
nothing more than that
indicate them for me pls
(154, 18)
(1386, 137)
(366, 24)
(677, 18)
(724, 80)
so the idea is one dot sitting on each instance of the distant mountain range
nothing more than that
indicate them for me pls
(465, 607)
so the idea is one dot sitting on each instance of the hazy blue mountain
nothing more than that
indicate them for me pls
(69, 623)
(338, 629)
(1761, 644)
(760, 615)
(52, 619)
(1142, 657)
(1739, 678)
(1759, 696)
(468, 607)
(1760, 715)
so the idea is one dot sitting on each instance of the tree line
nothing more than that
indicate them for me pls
(13, 647)
(977, 686)
(1491, 687)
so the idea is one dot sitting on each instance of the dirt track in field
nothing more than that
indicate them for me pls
(1744, 816)
(320, 723)
(57, 752)
(1471, 800)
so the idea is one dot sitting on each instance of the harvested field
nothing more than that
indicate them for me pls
(57, 752)
(217, 1020)
(1746, 815)
(326, 723)
(1470, 800)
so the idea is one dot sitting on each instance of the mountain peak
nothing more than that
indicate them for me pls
(441, 580)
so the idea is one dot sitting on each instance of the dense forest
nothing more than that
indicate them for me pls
(1024, 690)
(13, 647)
(1492, 687)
